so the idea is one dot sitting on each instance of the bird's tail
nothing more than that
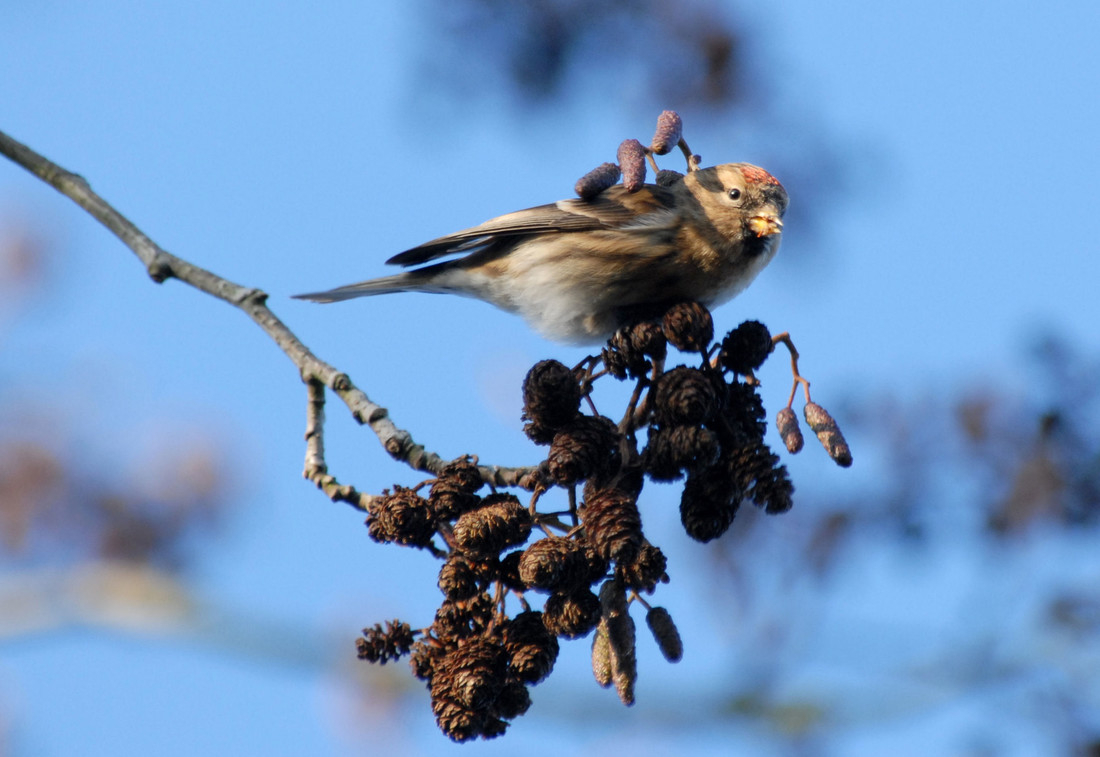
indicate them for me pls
(402, 282)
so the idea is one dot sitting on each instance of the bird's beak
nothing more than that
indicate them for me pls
(765, 225)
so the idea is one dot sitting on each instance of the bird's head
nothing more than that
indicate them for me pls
(742, 201)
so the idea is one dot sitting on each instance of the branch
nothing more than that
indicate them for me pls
(162, 265)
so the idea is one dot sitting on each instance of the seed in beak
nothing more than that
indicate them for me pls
(764, 226)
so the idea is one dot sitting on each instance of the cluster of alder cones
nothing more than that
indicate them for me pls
(704, 424)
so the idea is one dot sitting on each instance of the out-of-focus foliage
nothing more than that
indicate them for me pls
(688, 53)
(1000, 482)
(53, 508)
(62, 502)
(991, 460)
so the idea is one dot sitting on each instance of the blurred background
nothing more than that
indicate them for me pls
(168, 581)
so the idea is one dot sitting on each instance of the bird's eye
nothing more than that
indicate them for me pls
(735, 194)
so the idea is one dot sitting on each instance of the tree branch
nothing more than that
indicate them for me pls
(162, 265)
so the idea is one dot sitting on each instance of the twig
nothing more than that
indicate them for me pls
(785, 339)
(316, 470)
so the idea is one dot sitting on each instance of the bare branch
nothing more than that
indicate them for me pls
(162, 265)
(316, 470)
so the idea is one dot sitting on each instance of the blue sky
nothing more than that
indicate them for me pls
(298, 149)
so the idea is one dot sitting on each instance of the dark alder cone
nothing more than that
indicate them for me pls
(454, 620)
(628, 479)
(554, 564)
(571, 615)
(492, 726)
(458, 578)
(762, 477)
(403, 517)
(775, 492)
(603, 176)
(631, 157)
(508, 571)
(667, 178)
(460, 619)
(745, 412)
(532, 650)
(670, 450)
(613, 524)
(551, 399)
(787, 424)
(693, 447)
(685, 396)
(453, 492)
(746, 347)
(500, 522)
(658, 459)
(477, 669)
(629, 349)
(828, 433)
(709, 502)
(458, 722)
(465, 687)
(425, 656)
(669, 129)
(379, 646)
(597, 564)
(648, 338)
(646, 571)
(665, 632)
(514, 700)
(463, 473)
(619, 364)
(586, 446)
(688, 327)
(449, 499)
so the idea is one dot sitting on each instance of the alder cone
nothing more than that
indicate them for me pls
(613, 524)
(499, 523)
(688, 327)
(551, 399)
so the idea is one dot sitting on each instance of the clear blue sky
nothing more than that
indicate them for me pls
(298, 149)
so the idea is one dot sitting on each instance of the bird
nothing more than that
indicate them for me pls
(578, 269)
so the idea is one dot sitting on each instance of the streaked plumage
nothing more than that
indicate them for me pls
(578, 269)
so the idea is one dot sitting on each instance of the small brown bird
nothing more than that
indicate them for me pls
(577, 269)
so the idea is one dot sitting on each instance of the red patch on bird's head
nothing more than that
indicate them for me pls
(758, 176)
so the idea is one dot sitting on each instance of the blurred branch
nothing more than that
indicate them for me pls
(162, 265)
(141, 600)
(690, 53)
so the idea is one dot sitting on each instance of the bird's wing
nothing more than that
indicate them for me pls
(613, 209)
